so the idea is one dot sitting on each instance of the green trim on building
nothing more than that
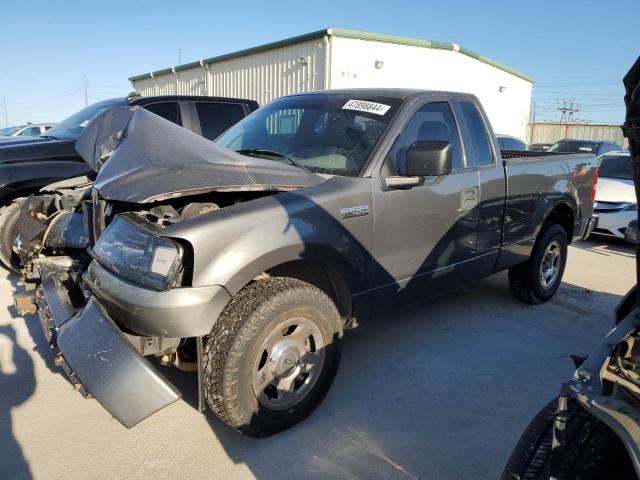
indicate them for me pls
(340, 33)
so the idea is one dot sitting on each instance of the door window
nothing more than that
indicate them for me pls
(480, 144)
(167, 110)
(432, 122)
(216, 118)
(30, 132)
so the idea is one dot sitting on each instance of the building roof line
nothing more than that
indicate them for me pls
(340, 33)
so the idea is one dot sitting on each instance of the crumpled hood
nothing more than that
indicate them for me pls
(141, 158)
(614, 190)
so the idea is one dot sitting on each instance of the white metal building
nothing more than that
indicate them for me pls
(336, 58)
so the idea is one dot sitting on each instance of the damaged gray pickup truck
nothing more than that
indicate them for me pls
(245, 259)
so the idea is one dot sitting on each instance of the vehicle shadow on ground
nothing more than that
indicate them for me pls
(603, 245)
(17, 384)
(417, 392)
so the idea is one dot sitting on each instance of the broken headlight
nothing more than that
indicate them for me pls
(130, 247)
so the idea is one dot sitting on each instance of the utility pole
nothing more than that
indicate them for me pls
(86, 91)
(568, 108)
(6, 115)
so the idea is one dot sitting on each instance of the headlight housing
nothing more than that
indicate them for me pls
(130, 247)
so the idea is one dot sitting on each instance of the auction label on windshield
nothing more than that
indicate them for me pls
(369, 107)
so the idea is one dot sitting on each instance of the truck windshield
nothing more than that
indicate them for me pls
(573, 146)
(8, 131)
(615, 166)
(71, 127)
(324, 133)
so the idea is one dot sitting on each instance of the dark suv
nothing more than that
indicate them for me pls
(29, 163)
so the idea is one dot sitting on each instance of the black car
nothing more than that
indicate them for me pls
(598, 147)
(29, 163)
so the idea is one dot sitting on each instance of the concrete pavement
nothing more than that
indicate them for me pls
(440, 391)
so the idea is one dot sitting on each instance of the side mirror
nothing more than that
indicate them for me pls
(429, 159)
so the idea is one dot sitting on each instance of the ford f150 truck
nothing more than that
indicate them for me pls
(245, 259)
(30, 163)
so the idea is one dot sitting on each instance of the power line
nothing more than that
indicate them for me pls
(568, 108)
(86, 93)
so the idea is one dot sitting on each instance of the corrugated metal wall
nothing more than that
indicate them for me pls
(261, 76)
(552, 132)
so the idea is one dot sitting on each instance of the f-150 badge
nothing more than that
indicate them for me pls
(358, 211)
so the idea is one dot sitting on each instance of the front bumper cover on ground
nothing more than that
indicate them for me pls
(96, 356)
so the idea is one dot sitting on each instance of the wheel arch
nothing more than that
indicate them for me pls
(561, 213)
(317, 265)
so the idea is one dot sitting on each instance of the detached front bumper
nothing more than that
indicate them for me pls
(96, 356)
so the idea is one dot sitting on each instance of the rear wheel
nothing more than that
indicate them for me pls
(272, 356)
(538, 279)
(8, 231)
(592, 450)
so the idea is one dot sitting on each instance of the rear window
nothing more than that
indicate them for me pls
(615, 166)
(217, 118)
(478, 132)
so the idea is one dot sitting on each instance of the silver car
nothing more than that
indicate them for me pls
(28, 130)
(615, 203)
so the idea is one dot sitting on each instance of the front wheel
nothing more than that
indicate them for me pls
(272, 356)
(537, 279)
(9, 216)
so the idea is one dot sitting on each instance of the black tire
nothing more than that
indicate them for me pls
(525, 279)
(232, 350)
(8, 231)
(592, 450)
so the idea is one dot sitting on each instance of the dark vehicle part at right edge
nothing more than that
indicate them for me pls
(592, 430)
(245, 259)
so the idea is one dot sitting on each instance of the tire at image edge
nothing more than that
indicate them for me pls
(592, 450)
(8, 232)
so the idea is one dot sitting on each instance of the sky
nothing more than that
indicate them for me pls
(577, 50)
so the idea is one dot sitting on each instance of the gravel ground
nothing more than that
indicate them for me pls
(440, 391)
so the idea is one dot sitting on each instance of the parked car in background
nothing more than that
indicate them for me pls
(29, 163)
(28, 130)
(615, 203)
(631, 233)
(592, 430)
(245, 259)
(584, 146)
(539, 147)
(507, 142)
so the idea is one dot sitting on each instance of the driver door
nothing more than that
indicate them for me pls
(425, 236)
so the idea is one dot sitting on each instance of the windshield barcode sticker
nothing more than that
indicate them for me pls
(369, 107)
